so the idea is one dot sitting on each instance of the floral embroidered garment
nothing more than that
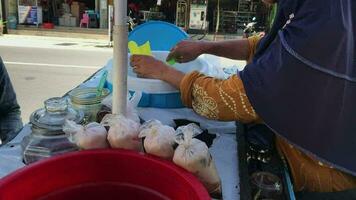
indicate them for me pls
(227, 100)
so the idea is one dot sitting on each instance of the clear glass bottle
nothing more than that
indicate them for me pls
(47, 138)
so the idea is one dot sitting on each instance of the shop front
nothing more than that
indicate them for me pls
(186, 14)
(66, 13)
(193, 16)
(29, 12)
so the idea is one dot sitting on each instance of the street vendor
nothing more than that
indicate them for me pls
(300, 81)
(10, 116)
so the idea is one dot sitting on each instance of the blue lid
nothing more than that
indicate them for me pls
(163, 36)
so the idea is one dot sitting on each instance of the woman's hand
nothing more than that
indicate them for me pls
(148, 67)
(186, 51)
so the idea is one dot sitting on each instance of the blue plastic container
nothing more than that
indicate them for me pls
(163, 36)
(168, 100)
(156, 93)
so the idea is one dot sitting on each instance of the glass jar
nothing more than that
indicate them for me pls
(50, 119)
(47, 138)
(266, 185)
(38, 147)
(87, 101)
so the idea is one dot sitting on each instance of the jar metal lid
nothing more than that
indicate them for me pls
(54, 114)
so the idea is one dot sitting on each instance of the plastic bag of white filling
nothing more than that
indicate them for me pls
(159, 139)
(91, 136)
(123, 132)
(193, 155)
(131, 112)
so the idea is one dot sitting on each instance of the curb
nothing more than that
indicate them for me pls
(69, 33)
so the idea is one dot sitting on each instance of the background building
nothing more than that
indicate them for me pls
(194, 16)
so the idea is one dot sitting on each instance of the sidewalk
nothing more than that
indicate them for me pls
(59, 31)
(54, 42)
(97, 34)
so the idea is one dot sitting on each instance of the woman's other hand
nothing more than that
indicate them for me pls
(148, 67)
(186, 51)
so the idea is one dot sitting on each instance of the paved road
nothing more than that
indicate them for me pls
(44, 67)
(40, 73)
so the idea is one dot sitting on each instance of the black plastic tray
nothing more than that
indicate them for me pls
(275, 166)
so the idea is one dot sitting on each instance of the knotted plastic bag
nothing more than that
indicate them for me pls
(150, 124)
(159, 139)
(131, 112)
(193, 155)
(123, 132)
(91, 136)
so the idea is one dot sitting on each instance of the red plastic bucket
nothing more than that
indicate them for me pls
(102, 174)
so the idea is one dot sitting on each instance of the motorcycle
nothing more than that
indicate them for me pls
(131, 23)
(251, 29)
(132, 19)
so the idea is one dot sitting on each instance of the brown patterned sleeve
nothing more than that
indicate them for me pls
(224, 100)
(219, 99)
(252, 42)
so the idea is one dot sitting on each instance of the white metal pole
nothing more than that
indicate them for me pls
(110, 21)
(1, 15)
(37, 13)
(97, 6)
(217, 21)
(119, 74)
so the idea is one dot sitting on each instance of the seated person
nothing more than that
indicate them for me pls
(300, 81)
(10, 120)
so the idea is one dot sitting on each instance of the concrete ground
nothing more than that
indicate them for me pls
(98, 34)
(59, 31)
(44, 67)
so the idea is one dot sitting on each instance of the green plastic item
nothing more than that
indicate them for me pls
(171, 61)
(101, 83)
(144, 49)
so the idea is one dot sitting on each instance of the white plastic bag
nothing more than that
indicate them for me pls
(123, 132)
(193, 155)
(159, 139)
(150, 124)
(91, 136)
(131, 112)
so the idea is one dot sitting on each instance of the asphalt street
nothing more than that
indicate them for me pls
(43, 67)
(39, 72)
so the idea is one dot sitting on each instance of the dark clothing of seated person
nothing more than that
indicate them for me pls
(10, 119)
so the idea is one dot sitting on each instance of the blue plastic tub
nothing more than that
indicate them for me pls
(163, 36)
(157, 93)
(169, 100)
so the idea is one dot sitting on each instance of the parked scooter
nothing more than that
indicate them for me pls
(250, 28)
(132, 18)
(131, 23)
